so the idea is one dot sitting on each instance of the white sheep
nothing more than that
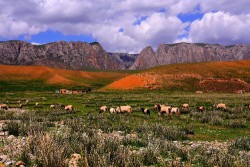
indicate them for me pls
(184, 106)
(162, 109)
(124, 109)
(103, 109)
(69, 108)
(175, 110)
(112, 110)
(220, 106)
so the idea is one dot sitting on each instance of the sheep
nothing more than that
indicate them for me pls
(162, 109)
(201, 108)
(220, 106)
(175, 110)
(145, 111)
(4, 107)
(124, 109)
(247, 105)
(112, 110)
(52, 106)
(20, 106)
(69, 108)
(103, 109)
(36, 104)
(184, 106)
(19, 102)
(27, 102)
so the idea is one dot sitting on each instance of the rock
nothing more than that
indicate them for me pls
(10, 138)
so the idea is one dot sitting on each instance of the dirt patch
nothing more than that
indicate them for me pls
(134, 81)
(223, 85)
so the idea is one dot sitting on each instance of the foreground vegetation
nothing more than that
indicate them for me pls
(209, 138)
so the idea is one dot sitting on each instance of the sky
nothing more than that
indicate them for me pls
(126, 25)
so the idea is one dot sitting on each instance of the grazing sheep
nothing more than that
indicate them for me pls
(19, 102)
(201, 108)
(145, 111)
(36, 104)
(103, 109)
(4, 107)
(69, 108)
(124, 109)
(175, 110)
(62, 106)
(162, 109)
(52, 106)
(184, 106)
(27, 102)
(112, 110)
(220, 106)
(247, 105)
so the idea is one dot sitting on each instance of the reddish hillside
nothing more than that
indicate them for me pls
(211, 76)
(58, 76)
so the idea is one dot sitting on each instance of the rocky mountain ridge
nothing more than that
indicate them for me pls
(82, 55)
(188, 53)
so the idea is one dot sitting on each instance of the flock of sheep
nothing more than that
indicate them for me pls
(37, 105)
(161, 109)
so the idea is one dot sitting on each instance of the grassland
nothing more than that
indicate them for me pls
(210, 126)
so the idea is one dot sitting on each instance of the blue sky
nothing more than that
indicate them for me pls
(126, 25)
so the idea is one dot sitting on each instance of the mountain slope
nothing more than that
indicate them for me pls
(209, 76)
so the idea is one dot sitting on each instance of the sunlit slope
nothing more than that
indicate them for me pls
(39, 76)
(208, 77)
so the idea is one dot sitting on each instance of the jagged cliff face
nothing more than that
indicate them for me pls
(185, 52)
(72, 55)
(124, 60)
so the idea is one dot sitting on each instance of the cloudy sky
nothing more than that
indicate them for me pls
(126, 25)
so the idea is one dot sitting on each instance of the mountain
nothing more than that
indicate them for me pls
(66, 55)
(85, 56)
(186, 52)
(124, 60)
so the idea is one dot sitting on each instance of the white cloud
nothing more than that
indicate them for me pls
(222, 28)
(104, 18)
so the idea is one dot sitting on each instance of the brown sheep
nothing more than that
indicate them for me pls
(162, 109)
(69, 108)
(201, 108)
(220, 106)
(145, 111)
(247, 105)
(4, 107)
(124, 109)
